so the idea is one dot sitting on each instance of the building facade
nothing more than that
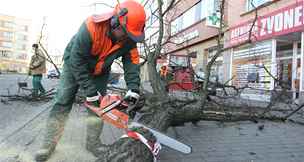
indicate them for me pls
(263, 43)
(275, 50)
(14, 44)
(186, 32)
(191, 34)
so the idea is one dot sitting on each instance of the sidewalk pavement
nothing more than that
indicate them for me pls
(211, 141)
(240, 142)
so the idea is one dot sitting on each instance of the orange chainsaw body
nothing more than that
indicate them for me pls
(114, 117)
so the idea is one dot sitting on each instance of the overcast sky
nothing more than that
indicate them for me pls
(63, 17)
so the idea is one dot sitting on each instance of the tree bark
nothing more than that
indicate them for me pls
(160, 115)
(156, 83)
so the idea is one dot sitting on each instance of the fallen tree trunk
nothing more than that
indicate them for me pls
(162, 113)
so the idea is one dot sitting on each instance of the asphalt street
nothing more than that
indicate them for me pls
(15, 114)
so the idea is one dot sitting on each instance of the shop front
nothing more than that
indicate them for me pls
(274, 58)
(217, 71)
(249, 69)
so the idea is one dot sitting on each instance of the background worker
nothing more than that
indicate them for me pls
(37, 68)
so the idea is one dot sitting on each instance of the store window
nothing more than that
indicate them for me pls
(217, 71)
(249, 64)
(285, 64)
(179, 61)
(252, 4)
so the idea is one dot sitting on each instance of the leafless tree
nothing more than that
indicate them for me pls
(48, 57)
(162, 111)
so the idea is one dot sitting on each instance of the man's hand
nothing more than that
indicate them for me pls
(132, 97)
(93, 99)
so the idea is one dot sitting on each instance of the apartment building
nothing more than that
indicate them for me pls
(14, 43)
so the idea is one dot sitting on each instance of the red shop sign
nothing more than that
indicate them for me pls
(285, 20)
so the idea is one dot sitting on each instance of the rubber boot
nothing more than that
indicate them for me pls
(94, 130)
(55, 127)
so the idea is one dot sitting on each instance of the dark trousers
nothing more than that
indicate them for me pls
(37, 86)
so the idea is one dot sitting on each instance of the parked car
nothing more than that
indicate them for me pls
(52, 74)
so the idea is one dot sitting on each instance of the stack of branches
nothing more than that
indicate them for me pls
(48, 95)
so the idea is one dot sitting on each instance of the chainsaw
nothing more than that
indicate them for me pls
(116, 111)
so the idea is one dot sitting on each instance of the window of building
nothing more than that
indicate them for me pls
(153, 40)
(21, 56)
(188, 18)
(8, 24)
(154, 6)
(176, 25)
(249, 63)
(252, 4)
(202, 9)
(180, 61)
(6, 44)
(20, 46)
(217, 72)
(153, 18)
(24, 28)
(5, 53)
(141, 49)
(193, 15)
(7, 35)
(21, 37)
(206, 7)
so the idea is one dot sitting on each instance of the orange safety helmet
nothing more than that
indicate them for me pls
(132, 16)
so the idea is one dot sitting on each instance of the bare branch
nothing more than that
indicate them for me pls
(170, 6)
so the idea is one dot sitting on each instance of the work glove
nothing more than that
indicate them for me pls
(93, 99)
(132, 97)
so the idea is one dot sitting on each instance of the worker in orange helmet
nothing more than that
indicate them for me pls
(163, 72)
(87, 63)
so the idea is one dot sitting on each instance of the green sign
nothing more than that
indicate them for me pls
(213, 19)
